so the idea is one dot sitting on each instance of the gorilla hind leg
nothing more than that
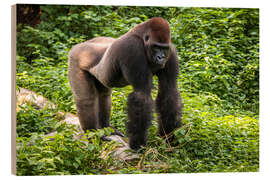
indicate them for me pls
(85, 95)
(104, 108)
(104, 105)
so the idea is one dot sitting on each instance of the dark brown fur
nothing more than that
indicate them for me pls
(102, 63)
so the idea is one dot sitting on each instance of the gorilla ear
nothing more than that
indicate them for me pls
(146, 38)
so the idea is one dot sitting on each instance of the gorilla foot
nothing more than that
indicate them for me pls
(105, 138)
(116, 132)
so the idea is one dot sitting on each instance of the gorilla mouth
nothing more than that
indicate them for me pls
(159, 60)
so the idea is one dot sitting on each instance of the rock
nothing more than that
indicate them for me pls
(122, 151)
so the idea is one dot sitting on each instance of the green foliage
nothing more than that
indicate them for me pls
(218, 48)
(30, 120)
(218, 53)
(218, 143)
(60, 154)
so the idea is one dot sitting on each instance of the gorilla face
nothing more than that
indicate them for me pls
(159, 54)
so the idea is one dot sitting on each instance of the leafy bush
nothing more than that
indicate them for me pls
(60, 154)
(30, 120)
(219, 53)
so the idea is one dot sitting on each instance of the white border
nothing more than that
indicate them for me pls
(185, 3)
(5, 87)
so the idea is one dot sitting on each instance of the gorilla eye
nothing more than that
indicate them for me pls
(146, 38)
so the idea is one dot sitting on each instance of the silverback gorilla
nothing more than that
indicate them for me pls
(99, 64)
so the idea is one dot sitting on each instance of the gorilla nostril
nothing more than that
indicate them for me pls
(160, 57)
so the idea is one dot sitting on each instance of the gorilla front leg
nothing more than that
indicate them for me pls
(168, 101)
(140, 115)
(169, 111)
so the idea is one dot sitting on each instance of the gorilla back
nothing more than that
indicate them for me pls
(102, 63)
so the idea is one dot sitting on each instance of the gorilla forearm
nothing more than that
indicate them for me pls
(168, 101)
(140, 108)
(169, 111)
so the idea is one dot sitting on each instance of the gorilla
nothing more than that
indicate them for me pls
(99, 64)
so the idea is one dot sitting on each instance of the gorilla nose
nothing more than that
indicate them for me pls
(160, 58)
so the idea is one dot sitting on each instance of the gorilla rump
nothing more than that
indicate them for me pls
(99, 64)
